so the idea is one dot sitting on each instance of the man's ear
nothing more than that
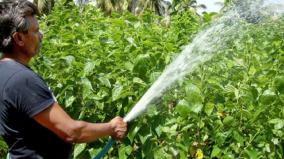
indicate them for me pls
(18, 38)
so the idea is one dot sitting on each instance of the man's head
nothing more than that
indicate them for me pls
(19, 27)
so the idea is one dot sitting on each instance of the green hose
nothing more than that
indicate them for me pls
(105, 149)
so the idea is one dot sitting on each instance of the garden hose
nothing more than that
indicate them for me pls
(101, 154)
(110, 142)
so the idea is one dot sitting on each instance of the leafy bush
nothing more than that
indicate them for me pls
(99, 67)
(230, 107)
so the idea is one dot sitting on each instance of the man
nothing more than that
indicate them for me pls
(31, 121)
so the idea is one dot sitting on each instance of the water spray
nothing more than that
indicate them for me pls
(203, 47)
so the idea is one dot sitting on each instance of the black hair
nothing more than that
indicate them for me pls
(13, 18)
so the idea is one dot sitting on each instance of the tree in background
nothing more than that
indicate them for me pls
(160, 7)
(44, 6)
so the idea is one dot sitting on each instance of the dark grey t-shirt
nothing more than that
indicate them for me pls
(23, 94)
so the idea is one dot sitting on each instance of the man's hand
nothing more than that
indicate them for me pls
(118, 127)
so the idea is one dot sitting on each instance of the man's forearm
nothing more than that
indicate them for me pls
(88, 132)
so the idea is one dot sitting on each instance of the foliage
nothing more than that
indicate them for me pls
(236, 99)
(44, 6)
(99, 67)
(137, 7)
(3, 149)
(230, 107)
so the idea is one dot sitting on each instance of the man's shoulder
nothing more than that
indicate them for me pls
(16, 73)
(12, 67)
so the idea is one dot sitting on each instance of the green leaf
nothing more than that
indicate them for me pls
(148, 43)
(133, 133)
(87, 87)
(240, 139)
(131, 41)
(209, 107)
(79, 148)
(3, 145)
(129, 66)
(116, 92)
(268, 97)
(143, 139)
(89, 67)
(139, 81)
(123, 152)
(196, 108)
(69, 101)
(281, 97)
(278, 123)
(191, 88)
(141, 64)
(279, 84)
(215, 152)
(105, 81)
(193, 94)
(158, 130)
(69, 59)
(252, 154)
(183, 108)
(228, 120)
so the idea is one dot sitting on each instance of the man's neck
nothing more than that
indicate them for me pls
(21, 59)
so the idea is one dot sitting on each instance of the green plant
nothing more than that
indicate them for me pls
(230, 107)
(106, 63)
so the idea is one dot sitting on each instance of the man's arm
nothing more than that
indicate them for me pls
(58, 121)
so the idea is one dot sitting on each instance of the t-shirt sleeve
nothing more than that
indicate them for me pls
(28, 93)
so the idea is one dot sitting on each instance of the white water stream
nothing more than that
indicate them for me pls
(206, 44)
